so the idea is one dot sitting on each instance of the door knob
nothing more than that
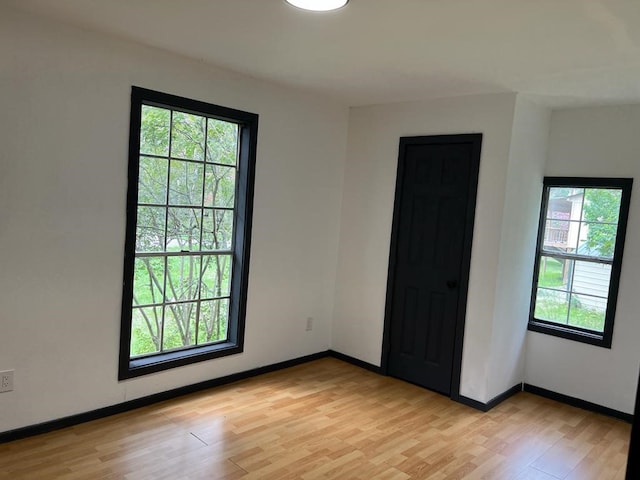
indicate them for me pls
(452, 283)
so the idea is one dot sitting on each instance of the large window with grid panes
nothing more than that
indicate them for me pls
(579, 257)
(190, 193)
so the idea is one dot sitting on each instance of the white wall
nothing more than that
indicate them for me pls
(600, 142)
(64, 126)
(369, 185)
(527, 157)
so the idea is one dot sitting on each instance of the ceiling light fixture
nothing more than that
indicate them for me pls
(318, 5)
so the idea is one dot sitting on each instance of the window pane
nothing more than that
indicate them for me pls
(564, 192)
(148, 280)
(220, 186)
(601, 214)
(154, 130)
(565, 203)
(555, 273)
(597, 239)
(179, 325)
(563, 219)
(602, 205)
(556, 235)
(587, 312)
(151, 229)
(214, 321)
(152, 181)
(185, 183)
(145, 329)
(222, 142)
(552, 306)
(183, 230)
(592, 278)
(183, 278)
(187, 136)
(218, 230)
(216, 275)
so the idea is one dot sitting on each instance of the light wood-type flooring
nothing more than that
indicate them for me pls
(328, 419)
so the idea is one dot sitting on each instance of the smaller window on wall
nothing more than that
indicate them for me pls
(579, 257)
(189, 203)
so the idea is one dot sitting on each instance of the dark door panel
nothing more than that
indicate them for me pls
(430, 256)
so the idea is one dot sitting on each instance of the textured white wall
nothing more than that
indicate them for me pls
(369, 185)
(64, 127)
(600, 142)
(527, 157)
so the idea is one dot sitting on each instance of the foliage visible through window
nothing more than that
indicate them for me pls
(184, 292)
(579, 257)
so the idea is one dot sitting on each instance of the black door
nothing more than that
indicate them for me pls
(429, 260)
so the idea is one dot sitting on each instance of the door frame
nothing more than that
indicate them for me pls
(475, 139)
(633, 458)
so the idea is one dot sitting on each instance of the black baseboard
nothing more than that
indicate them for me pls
(470, 402)
(503, 396)
(577, 402)
(69, 421)
(485, 407)
(355, 361)
(49, 426)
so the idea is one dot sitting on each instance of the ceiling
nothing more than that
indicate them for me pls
(379, 51)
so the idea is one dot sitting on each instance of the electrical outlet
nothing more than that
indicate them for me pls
(309, 324)
(6, 381)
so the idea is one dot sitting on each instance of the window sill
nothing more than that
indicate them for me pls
(569, 333)
(156, 363)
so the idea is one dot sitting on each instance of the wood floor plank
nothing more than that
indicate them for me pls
(328, 420)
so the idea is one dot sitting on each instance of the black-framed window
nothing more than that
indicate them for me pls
(579, 257)
(189, 206)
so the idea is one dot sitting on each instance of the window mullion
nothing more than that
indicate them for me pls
(571, 256)
(184, 253)
(204, 184)
(570, 285)
(166, 233)
(580, 219)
